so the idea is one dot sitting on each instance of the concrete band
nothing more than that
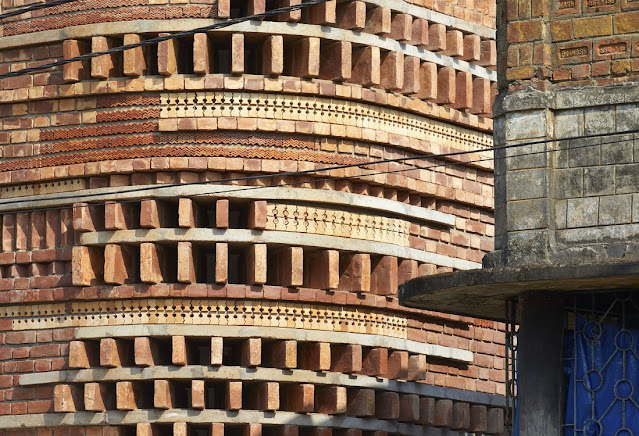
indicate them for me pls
(265, 27)
(262, 374)
(244, 236)
(210, 416)
(275, 333)
(225, 191)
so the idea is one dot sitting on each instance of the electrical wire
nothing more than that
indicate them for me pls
(35, 8)
(158, 39)
(293, 173)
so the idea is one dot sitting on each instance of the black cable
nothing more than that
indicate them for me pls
(339, 167)
(158, 39)
(445, 165)
(35, 8)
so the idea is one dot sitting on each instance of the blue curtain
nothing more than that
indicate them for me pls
(603, 380)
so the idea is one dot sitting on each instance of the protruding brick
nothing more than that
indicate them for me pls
(167, 56)
(268, 396)
(446, 86)
(237, 53)
(300, 398)
(67, 398)
(85, 218)
(488, 56)
(180, 429)
(378, 21)
(355, 272)
(292, 266)
(78, 70)
(82, 354)
(417, 367)
(366, 63)
(186, 263)
(284, 354)
(256, 7)
(187, 211)
(273, 55)
(257, 215)
(325, 271)
(116, 216)
(97, 397)
(398, 365)
(126, 395)
(351, 15)
(316, 356)
(401, 27)
(217, 429)
(290, 16)
(375, 361)
(256, 264)
(331, 400)
(234, 395)
(482, 98)
(384, 275)
(118, 264)
(346, 358)
(436, 37)
(145, 351)
(419, 35)
(222, 214)
(392, 70)
(472, 48)
(134, 60)
(197, 395)
(409, 408)
(202, 53)
(461, 416)
(152, 261)
(411, 75)
(478, 418)
(113, 353)
(387, 405)
(252, 352)
(217, 350)
(427, 89)
(163, 397)
(427, 411)
(323, 13)
(252, 430)
(143, 429)
(178, 351)
(151, 212)
(454, 43)
(304, 60)
(464, 91)
(361, 402)
(105, 66)
(221, 262)
(336, 61)
(495, 421)
(443, 413)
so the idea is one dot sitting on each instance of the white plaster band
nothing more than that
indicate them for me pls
(237, 373)
(228, 191)
(244, 236)
(301, 335)
(264, 27)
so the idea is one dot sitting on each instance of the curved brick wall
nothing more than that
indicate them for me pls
(135, 302)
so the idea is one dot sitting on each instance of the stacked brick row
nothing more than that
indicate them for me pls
(248, 298)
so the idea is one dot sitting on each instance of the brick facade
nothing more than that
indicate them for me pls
(179, 255)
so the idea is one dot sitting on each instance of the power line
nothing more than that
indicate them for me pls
(159, 39)
(35, 8)
(293, 173)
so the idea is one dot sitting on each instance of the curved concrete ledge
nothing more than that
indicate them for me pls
(226, 191)
(243, 236)
(207, 417)
(265, 27)
(275, 333)
(265, 374)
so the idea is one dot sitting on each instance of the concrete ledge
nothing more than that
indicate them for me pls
(242, 236)
(268, 374)
(482, 293)
(213, 191)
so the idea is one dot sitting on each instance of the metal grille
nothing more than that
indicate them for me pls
(601, 365)
(512, 330)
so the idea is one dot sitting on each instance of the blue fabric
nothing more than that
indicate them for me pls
(601, 379)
